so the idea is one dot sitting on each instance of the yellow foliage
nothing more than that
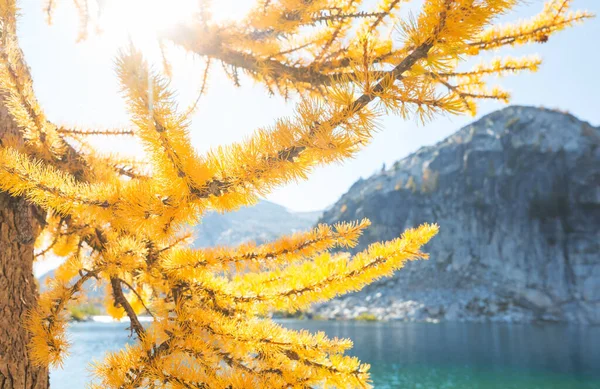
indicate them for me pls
(271, 255)
(346, 63)
(323, 277)
(139, 300)
(69, 269)
(64, 245)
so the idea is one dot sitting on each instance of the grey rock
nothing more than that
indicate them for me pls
(260, 223)
(517, 198)
(591, 289)
(535, 299)
(434, 311)
(452, 313)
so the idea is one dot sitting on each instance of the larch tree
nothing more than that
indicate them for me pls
(343, 64)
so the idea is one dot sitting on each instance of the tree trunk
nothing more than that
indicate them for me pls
(18, 293)
(18, 289)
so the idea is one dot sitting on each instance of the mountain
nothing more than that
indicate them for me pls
(261, 223)
(517, 198)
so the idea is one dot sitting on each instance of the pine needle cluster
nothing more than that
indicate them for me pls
(121, 222)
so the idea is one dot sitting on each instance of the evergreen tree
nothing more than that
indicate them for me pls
(120, 223)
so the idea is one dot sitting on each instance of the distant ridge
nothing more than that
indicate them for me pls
(260, 223)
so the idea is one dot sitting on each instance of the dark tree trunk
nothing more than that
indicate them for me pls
(18, 289)
(18, 293)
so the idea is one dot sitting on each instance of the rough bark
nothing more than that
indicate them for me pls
(18, 290)
(18, 293)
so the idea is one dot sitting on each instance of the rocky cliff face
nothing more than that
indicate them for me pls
(517, 198)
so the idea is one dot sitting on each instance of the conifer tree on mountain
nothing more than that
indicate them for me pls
(115, 222)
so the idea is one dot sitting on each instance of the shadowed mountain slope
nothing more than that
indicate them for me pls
(517, 198)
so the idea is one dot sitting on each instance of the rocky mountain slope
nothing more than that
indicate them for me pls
(517, 198)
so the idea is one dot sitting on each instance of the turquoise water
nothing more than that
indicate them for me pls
(416, 355)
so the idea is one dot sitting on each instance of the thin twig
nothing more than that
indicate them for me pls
(131, 288)
(122, 301)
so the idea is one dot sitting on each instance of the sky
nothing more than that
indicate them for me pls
(76, 85)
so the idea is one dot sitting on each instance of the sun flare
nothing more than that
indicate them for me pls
(142, 21)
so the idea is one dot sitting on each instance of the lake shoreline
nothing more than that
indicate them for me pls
(106, 319)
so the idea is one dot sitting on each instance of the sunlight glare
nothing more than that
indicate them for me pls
(142, 21)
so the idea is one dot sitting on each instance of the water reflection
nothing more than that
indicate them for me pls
(554, 348)
(417, 355)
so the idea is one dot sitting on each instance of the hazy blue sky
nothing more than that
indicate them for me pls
(75, 84)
